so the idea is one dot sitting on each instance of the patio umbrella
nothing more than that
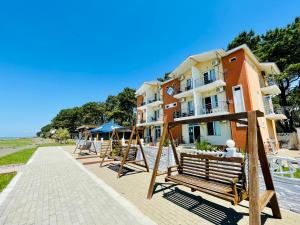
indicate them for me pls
(107, 127)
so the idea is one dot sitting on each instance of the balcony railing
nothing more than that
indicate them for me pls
(185, 87)
(184, 112)
(155, 119)
(153, 99)
(141, 121)
(270, 109)
(216, 107)
(200, 81)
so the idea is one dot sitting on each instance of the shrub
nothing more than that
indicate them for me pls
(205, 145)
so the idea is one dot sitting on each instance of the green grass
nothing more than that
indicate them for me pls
(296, 174)
(5, 179)
(18, 157)
(14, 143)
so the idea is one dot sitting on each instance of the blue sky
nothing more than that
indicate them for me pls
(50, 50)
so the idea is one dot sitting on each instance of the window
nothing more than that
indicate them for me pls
(171, 105)
(189, 84)
(233, 59)
(209, 76)
(191, 107)
(213, 128)
(238, 99)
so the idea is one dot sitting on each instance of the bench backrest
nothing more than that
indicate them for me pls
(213, 168)
(132, 152)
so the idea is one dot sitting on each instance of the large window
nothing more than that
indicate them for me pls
(209, 76)
(213, 128)
(190, 107)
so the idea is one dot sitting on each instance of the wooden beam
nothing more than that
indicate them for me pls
(254, 208)
(265, 198)
(158, 156)
(126, 152)
(230, 117)
(142, 150)
(267, 176)
(173, 146)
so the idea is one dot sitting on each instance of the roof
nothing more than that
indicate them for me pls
(194, 59)
(146, 85)
(269, 67)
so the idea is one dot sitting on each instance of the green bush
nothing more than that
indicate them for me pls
(205, 145)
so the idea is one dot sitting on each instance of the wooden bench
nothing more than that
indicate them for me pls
(218, 176)
(131, 154)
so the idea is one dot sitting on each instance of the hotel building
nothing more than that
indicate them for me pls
(212, 83)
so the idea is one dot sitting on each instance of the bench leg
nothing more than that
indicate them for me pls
(193, 189)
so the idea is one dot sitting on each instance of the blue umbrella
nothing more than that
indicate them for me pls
(106, 127)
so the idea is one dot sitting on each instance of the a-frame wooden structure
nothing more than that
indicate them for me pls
(125, 158)
(114, 141)
(87, 145)
(256, 154)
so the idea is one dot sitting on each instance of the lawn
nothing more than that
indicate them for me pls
(18, 157)
(296, 174)
(5, 179)
(16, 143)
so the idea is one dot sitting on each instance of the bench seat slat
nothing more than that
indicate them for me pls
(236, 166)
(212, 167)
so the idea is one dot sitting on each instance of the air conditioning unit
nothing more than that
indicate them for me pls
(182, 100)
(215, 62)
(220, 89)
(181, 77)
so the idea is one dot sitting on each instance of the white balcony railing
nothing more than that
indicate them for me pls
(184, 112)
(216, 107)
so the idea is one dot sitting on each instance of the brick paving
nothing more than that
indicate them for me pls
(178, 205)
(54, 189)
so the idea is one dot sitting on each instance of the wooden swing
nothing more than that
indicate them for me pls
(87, 144)
(202, 172)
(130, 153)
(125, 154)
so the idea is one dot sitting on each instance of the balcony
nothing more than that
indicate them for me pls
(154, 101)
(274, 113)
(271, 90)
(208, 81)
(213, 109)
(204, 85)
(186, 89)
(184, 112)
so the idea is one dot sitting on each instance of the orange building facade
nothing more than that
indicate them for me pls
(207, 84)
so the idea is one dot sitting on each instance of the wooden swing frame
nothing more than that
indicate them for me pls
(124, 160)
(256, 153)
(87, 134)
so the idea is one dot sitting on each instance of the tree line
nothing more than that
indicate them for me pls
(119, 108)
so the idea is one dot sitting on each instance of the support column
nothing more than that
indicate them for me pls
(195, 78)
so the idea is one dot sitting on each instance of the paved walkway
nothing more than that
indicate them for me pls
(55, 189)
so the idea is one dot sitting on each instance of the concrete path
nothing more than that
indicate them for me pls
(55, 189)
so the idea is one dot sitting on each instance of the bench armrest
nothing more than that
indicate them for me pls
(170, 169)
